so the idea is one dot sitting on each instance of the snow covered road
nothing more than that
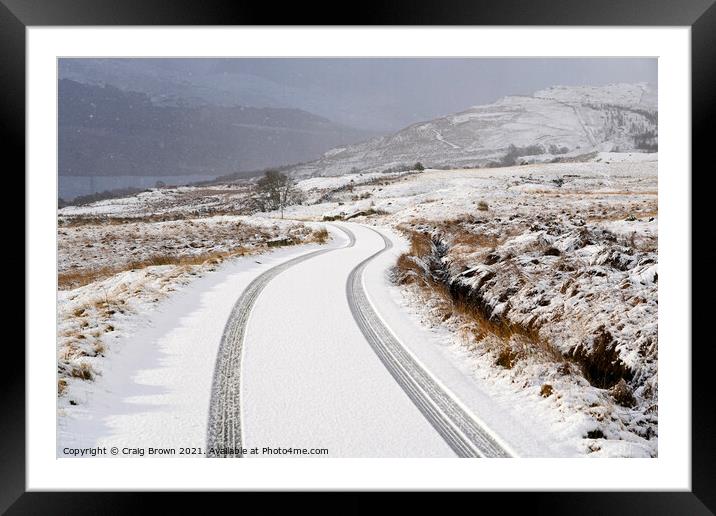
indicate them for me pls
(310, 380)
(465, 435)
(224, 429)
(322, 371)
(286, 351)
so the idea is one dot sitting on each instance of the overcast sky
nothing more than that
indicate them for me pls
(390, 93)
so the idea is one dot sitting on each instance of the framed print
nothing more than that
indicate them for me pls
(432, 250)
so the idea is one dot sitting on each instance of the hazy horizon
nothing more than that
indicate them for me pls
(377, 94)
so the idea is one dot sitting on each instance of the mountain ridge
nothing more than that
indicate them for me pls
(567, 120)
(107, 131)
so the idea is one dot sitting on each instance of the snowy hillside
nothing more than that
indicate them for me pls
(641, 95)
(553, 124)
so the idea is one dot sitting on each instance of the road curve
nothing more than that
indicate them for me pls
(224, 426)
(461, 432)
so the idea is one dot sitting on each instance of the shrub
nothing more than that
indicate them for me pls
(320, 235)
(546, 390)
(99, 348)
(622, 394)
(506, 358)
(483, 206)
(83, 371)
(514, 152)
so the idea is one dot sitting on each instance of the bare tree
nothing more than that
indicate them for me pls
(275, 191)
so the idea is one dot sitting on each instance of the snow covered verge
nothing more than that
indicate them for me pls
(544, 276)
(113, 271)
(543, 310)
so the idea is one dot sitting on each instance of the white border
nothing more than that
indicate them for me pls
(671, 470)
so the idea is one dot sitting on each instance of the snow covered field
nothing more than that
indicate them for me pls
(111, 271)
(561, 254)
(152, 389)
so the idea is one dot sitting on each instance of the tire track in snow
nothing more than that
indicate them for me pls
(460, 430)
(224, 426)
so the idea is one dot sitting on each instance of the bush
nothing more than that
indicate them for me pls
(506, 358)
(320, 235)
(83, 371)
(514, 152)
(622, 394)
(483, 206)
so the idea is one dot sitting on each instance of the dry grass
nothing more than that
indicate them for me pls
(102, 220)
(623, 214)
(61, 386)
(466, 231)
(592, 193)
(78, 278)
(99, 220)
(517, 340)
(320, 235)
(421, 244)
(475, 240)
(408, 268)
(83, 371)
(99, 348)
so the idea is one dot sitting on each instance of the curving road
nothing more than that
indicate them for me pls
(224, 427)
(306, 361)
(463, 434)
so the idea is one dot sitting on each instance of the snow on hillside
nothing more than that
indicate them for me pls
(628, 95)
(557, 121)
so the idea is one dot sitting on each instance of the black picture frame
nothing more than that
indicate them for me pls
(700, 15)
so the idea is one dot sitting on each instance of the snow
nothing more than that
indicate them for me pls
(582, 119)
(153, 387)
(181, 201)
(632, 95)
(614, 194)
(115, 245)
(521, 426)
(310, 379)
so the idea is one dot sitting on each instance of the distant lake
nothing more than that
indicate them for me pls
(73, 186)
